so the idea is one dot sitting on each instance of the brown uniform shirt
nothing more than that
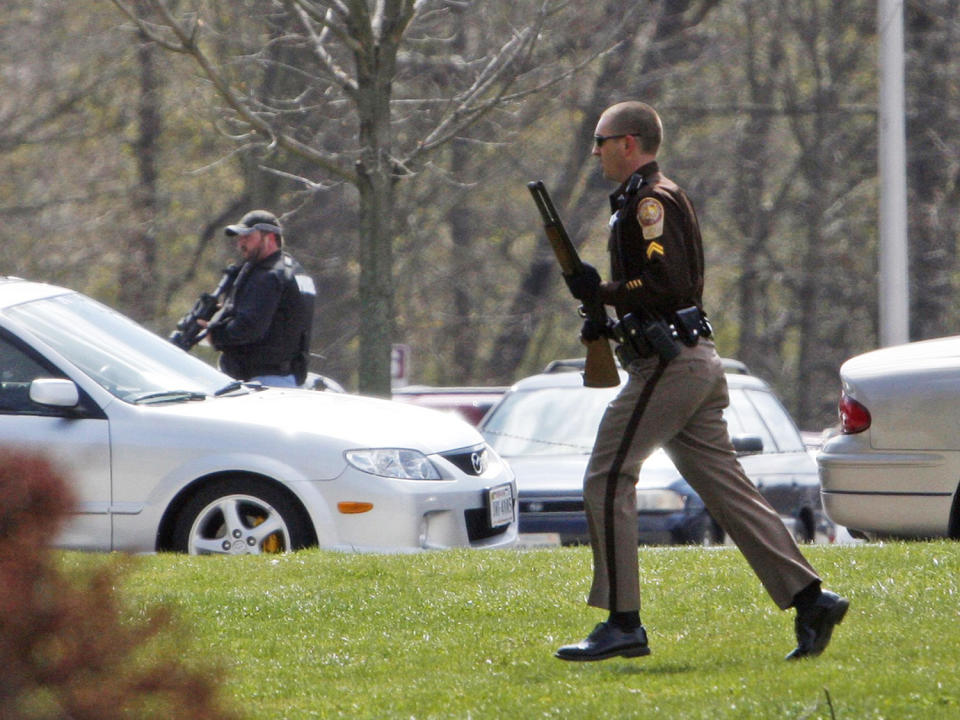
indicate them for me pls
(656, 252)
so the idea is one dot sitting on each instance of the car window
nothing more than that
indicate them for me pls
(547, 421)
(120, 355)
(744, 419)
(734, 425)
(18, 368)
(781, 426)
(565, 420)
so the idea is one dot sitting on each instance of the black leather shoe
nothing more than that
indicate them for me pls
(815, 625)
(607, 641)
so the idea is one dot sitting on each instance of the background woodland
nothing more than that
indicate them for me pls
(396, 140)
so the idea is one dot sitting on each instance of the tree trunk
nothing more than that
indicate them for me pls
(138, 264)
(375, 183)
(376, 281)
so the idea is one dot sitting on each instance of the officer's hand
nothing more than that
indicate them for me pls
(592, 330)
(584, 285)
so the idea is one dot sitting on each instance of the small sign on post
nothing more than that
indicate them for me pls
(399, 365)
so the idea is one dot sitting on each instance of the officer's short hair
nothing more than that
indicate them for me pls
(638, 119)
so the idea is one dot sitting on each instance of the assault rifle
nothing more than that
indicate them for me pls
(600, 369)
(189, 332)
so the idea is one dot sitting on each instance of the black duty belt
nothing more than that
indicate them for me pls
(639, 339)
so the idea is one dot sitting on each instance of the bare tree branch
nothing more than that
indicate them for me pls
(319, 39)
(187, 44)
(335, 72)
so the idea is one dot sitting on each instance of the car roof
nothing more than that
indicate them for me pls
(564, 373)
(14, 290)
(729, 365)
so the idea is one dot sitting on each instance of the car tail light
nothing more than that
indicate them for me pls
(854, 416)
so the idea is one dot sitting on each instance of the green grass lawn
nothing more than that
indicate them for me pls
(470, 634)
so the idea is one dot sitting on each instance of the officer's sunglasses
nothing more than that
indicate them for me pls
(599, 140)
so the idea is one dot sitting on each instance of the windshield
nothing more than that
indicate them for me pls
(123, 357)
(547, 421)
(564, 420)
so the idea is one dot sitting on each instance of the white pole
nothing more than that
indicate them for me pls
(892, 165)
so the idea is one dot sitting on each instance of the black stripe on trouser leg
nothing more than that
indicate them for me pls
(610, 496)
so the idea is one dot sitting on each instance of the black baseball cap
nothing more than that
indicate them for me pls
(255, 220)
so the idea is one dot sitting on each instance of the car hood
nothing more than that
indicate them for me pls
(564, 473)
(904, 384)
(345, 420)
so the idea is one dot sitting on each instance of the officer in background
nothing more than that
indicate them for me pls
(263, 328)
(674, 398)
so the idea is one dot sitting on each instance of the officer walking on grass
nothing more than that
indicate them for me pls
(674, 398)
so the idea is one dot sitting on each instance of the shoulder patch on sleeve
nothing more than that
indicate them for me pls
(650, 217)
(305, 283)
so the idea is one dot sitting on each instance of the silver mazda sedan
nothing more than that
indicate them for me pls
(164, 452)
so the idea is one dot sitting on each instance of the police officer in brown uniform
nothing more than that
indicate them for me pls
(674, 398)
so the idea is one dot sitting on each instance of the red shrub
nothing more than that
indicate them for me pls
(65, 651)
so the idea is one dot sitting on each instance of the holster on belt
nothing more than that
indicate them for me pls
(691, 324)
(644, 338)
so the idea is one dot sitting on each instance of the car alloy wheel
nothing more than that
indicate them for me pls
(240, 518)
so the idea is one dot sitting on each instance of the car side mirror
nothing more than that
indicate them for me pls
(54, 392)
(747, 444)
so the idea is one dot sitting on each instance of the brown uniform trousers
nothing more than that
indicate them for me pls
(679, 406)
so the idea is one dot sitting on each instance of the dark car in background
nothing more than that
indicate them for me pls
(544, 426)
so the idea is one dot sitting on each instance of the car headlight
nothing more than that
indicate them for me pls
(660, 501)
(393, 463)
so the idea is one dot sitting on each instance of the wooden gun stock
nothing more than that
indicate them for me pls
(600, 369)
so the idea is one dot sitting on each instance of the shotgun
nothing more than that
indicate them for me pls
(600, 369)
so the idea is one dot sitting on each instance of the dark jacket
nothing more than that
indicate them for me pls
(264, 326)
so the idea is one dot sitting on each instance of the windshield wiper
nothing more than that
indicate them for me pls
(238, 385)
(169, 396)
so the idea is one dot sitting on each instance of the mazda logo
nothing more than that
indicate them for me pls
(479, 462)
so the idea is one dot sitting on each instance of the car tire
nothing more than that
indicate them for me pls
(714, 535)
(805, 529)
(953, 529)
(706, 532)
(241, 516)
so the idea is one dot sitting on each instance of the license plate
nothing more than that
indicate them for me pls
(538, 540)
(500, 505)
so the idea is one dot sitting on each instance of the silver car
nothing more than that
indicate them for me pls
(893, 467)
(164, 452)
(545, 426)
